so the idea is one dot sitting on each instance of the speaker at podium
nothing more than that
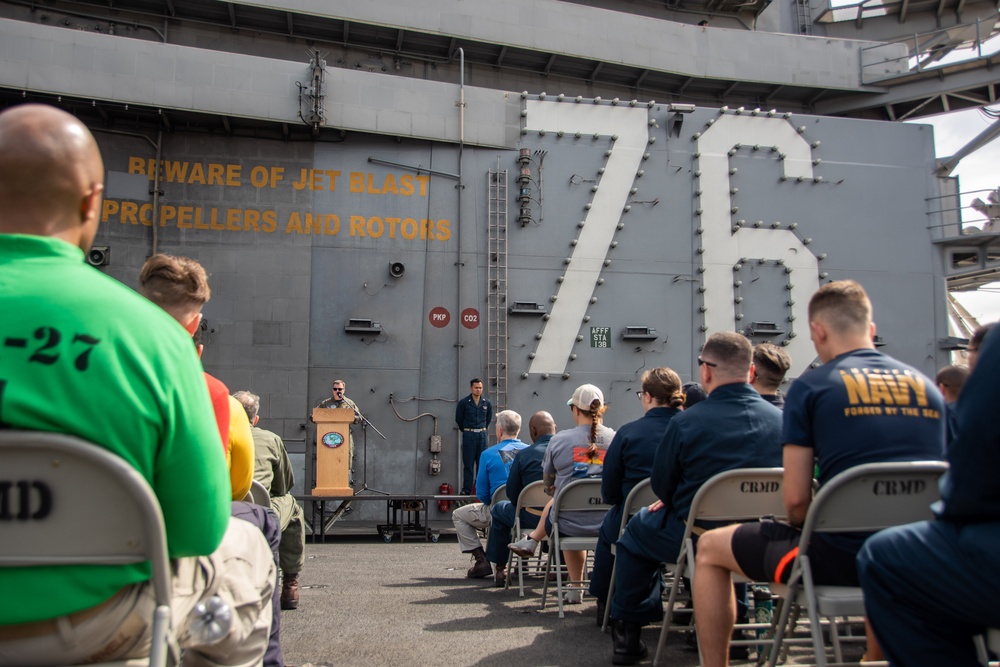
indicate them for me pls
(333, 459)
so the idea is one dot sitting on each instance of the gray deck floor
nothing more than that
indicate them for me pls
(364, 602)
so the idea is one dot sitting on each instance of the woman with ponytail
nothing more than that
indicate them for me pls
(574, 453)
(629, 460)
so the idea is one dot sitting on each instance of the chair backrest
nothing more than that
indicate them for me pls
(50, 485)
(640, 496)
(874, 496)
(739, 495)
(533, 498)
(258, 495)
(499, 493)
(581, 495)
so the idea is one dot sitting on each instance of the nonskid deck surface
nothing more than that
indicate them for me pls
(364, 602)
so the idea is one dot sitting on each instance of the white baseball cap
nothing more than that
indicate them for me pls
(585, 395)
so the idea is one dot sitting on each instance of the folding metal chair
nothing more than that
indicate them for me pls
(581, 495)
(71, 478)
(499, 493)
(258, 495)
(532, 500)
(640, 496)
(731, 496)
(865, 498)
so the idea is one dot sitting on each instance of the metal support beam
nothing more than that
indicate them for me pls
(548, 65)
(947, 166)
(232, 14)
(642, 77)
(291, 23)
(399, 40)
(921, 106)
(503, 54)
(597, 70)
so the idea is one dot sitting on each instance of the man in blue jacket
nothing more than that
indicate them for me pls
(931, 586)
(494, 468)
(527, 468)
(732, 428)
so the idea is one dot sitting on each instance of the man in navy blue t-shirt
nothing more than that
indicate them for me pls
(860, 406)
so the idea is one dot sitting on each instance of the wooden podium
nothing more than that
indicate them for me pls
(333, 457)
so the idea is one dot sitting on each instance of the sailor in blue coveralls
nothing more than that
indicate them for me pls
(473, 415)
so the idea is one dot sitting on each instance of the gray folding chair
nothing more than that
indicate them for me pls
(72, 477)
(532, 500)
(499, 493)
(581, 495)
(865, 498)
(732, 496)
(258, 495)
(640, 496)
(988, 642)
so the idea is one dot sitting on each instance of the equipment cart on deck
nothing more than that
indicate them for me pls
(406, 515)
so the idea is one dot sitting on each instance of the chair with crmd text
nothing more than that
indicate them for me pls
(862, 499)
(532, 500)
(640, 496)
(61, 480)
(744, 494)
(258, 495)
(581, 495)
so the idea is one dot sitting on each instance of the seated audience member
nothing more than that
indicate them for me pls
(770, 363)
(628, 461)
(732, 428)
(179, 285)
(526, 468)
(694, 394)
(575, 453)
(977, 339)
(273, 470)
(834, 416)
(494, 467)
(950, 381)
(136, 389)
(930, 587)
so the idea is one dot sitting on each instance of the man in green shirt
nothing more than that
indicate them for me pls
(87, 356)
(273, 469)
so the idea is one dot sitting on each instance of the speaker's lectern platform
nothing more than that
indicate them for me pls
(333, 458)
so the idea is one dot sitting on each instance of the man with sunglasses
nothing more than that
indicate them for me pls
(732, 428)
(339, 400)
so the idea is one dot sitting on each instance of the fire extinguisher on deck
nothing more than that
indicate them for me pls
(445, 489)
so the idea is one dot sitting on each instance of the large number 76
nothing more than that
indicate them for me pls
(723, 244)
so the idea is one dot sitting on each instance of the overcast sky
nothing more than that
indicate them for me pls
(979, 171)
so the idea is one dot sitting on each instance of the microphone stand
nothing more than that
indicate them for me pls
(364, 430)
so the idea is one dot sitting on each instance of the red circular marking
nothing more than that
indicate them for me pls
(439, 317)
(470, 318)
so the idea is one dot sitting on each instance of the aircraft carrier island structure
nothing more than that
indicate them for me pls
(390, 214)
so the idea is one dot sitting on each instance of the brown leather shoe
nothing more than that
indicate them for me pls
(289, 590)
(481, 567)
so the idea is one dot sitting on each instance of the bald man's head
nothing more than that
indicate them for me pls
(541, 423)
(51, 175)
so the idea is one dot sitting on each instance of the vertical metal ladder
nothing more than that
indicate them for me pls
(804, 16)
(496, 319)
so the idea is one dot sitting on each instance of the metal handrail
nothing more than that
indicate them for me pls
(926, 51)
